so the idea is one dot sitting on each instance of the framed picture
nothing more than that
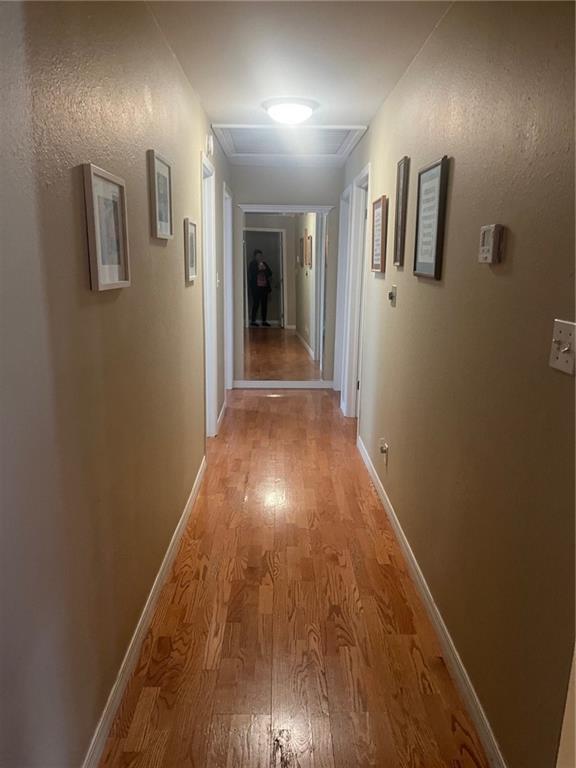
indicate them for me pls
(160, 175)
(301, 252)
(309, 246)
(106, 219)
(430, 216)
(379, 233)
(190, 250)
(402, 179)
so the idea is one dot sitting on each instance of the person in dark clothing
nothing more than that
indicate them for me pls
(259, 274)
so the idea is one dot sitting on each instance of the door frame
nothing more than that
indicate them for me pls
(228, 249)
(284, 290)
(210, 296)
(358, 235)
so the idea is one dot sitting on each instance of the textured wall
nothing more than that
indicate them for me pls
(456, 376)
(102, 393)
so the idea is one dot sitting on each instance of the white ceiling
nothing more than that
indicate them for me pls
(347, 56)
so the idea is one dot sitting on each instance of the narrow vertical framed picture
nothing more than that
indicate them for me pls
(160, 178)
(402, 180)
(106, 219)
(301, 252)
(430, 219)
(190, 250)
(379, 233)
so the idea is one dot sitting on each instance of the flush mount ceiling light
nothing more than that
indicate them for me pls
(290, 111)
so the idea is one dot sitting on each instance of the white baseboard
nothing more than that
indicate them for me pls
(306, 346)
(266, 384)
(290, 327)
(221, 414)
(451, 655)
(98, 743)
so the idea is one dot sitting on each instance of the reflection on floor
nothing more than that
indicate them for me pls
(275, 354)
(289, 633)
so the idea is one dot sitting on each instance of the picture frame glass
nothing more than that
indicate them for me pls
(109, 215)
(377, 230)
(190, 249)
(430, 212)
(163, 184)
(402, 180)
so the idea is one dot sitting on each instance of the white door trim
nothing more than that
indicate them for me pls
(343, 250)
(284, 295)
(210, 296)
(357, 238)
(228, 246)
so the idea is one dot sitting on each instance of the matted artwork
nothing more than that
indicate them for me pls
(190, 250)
(402, 180)
(379, 233)
(430, 217)
(106, 218)
(160, 174)
(301, 252)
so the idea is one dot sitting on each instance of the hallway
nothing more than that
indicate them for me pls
(277, 354)
(290, 633)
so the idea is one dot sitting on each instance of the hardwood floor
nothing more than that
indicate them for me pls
(290, 634)
(277, 354)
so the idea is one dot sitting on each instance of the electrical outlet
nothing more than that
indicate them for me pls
(384, 449)
(563, 345)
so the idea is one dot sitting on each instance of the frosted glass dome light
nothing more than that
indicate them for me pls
(290, 111)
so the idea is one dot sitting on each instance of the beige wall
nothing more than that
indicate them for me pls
(102, 393)
(306, 283)
(287, 186)
(456, 376)
(287, 223)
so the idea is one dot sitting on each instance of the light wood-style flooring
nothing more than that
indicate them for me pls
(277, 354)
(290, 634)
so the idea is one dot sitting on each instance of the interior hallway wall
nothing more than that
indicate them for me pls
(286, 222)
(306, 284)
(456, 376)
(102, 393)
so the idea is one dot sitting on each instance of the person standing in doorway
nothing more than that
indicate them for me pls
(259, 274)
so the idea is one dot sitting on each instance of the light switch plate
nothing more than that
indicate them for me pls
(491, 244)
(562, 351)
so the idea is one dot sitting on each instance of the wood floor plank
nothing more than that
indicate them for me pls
(289, 633)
